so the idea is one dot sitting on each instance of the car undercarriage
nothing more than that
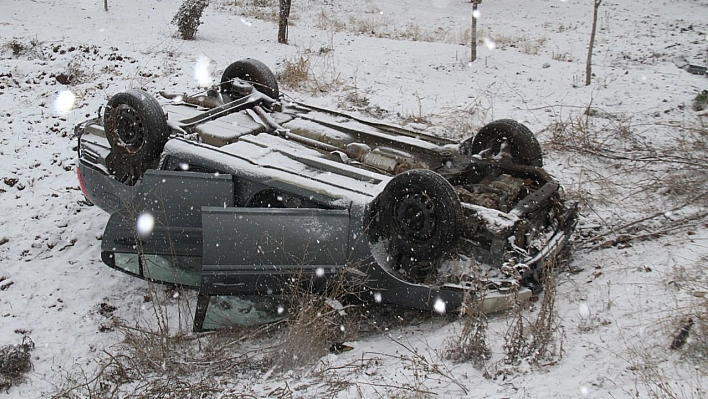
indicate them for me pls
(243, 190)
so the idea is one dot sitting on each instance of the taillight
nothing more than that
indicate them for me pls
(81, 180)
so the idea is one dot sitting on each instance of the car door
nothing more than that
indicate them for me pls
(254, 258)
(157, 234)
(258, 250)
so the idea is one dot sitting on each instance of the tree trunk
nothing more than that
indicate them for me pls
(588, 66)
(283, 21)
(105, 5)
(473, 33)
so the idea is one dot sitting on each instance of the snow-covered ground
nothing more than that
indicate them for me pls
(404, 60)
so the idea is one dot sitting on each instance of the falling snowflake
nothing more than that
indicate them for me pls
(146, 222)
(439, 306)
(201, 72)
(64, 102)
(489, 43)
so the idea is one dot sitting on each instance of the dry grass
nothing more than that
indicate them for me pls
(662, 373)
(77, 72)
(525, 44)
(416, 33)
(538, 341)
(329, 22)
(653, 177)
(464, 122)
(317, 319)
(373, 23)
(669, 354)
(673, 165)
(265, 10)
(689, 325)
(353, 99)
(546, 344)
(471, 345)
(34, 49)
(160, 357)
(15, 362)
(295, 71)
(312, 71)
(515, 340)
(455, 123)
(561, 56)
(154, 340)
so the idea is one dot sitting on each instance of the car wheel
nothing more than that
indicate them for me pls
(136, 127)
(418, 212)
(254, 72)
(505, 136)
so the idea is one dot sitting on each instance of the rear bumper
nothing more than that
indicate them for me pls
(99, 188)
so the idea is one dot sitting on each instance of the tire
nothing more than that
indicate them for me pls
(253, 71)
(418, 212)
(136, 128)
(523, 146)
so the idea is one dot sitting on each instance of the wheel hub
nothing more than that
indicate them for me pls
(129, 127)
(499, 148)
(415, 216)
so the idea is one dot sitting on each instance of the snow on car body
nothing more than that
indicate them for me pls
(246, 195)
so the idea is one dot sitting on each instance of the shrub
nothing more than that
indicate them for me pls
(700, 102)
(471, 345)
(188, 17)
(15, 361)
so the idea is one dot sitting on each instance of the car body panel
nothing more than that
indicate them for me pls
(249, 250)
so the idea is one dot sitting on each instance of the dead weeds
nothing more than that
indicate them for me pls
(15, 362)
(471, 345)
(644, 167)
(318, 321)
(312, 71)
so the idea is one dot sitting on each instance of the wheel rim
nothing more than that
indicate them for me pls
(415, 216)
(497, 148)
(129, 126)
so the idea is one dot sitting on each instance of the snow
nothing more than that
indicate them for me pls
(201, 72)
(619, 308)
(145, 224)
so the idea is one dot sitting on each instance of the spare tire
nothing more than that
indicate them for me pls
(419, 213)
(136, 128)
(505, 136)
(252, 71)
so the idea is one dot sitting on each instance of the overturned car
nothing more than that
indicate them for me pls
(237, 194)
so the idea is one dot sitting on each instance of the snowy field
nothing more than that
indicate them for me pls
(630, 147)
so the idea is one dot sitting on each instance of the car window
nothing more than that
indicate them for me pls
(179, 270)
(279, 199)
(245, 310)
(177, 165)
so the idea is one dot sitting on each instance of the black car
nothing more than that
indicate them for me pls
(238, 193)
